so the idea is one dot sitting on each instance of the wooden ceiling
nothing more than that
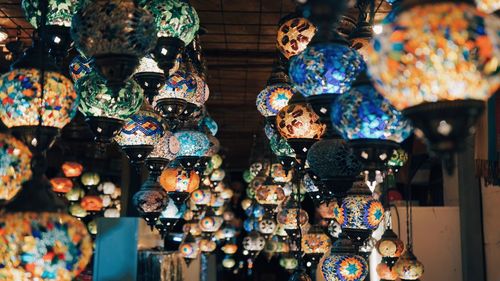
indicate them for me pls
(239, 47)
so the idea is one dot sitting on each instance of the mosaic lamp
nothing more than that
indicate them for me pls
(150, 201)
(436, 71)
(172, 98)
(80, 66)
(105, 110)
(201, 198)
(189, 249)
(253, 243)
(177, 24)
(386, 272)
(299, 125)
(193, 146)
(408, 267)
(276, 95)
(149, 76)
(179, 183)
(287, 217)
(210, 223)
(15, 168)
(343, 263)
(72, 169)
(315, 243)
(20, 92)
(116, 33)
(56, 29)
(61, 185)
(140, 133)
(267, 226)
(362, 213)
(373, 127)
(390, 247)
(163, 153)
(269, 195)
(488, 6)
(294, 35)
(334, 163)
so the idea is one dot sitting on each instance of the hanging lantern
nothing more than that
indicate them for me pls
(288, 262)
(390, 247)
(116, 34)
(194, 145)
(207, 246)
(343, 264)
(176, 24)
(105, 110)
(330, 210)
(315, 243)
(150, 200)
(279, 174)
(179, 183)
(56, 30)
(167, 148)
(270, 195)
(266, 227)
(201, 197)
(276, 95)
(294, 35)
(225, 233)
(79, 67)
(218, 175)
(75, 194)
(362, 213)
(230, 249)
(443, 97)
(228, 262)
(189, 249)
(32, 252)
(300, 275)
(90, 179)
(288, 216)
(149, 76)
(169, 217)
(77, 211)
(253, 243)
(140, 133)
(172, 99)
(488, 6)
(61, 186)
(92, 203)
(408, 267)
(72, 169)
(372, 125)
(15, 168)
(210, 223)
(386, 272)
(334, 163)
(210, 124)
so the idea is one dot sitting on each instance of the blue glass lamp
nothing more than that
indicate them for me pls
(373, 127)
(194, 145)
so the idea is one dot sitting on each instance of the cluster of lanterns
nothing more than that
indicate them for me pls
(339, 124)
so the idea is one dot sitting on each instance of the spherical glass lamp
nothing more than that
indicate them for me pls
(167, 148)
(140, 133)
(104, 109)
(72, 169)
(438, 72)
(179, 183)
(116, 34)
(189, 249)
(331, 210)
(201, 197)
(91, 203)
(298, 121)
(273, 98)
(334, 163)
(90, 179)
(49, 246)
(210, 223)
(288, 262)
(408, 267)
(61, 185)
(253, 243)
(267, 226)
(386, 272)
(325, 68)
(294, 35)
(390, 245)
(315, 243)
(280, 147)
(59, 12)
(343, 264)
(179, 89)
(488, 6)
(287, 217)
(270, 195)
(15, 168)
(194, 145)
(362, 213)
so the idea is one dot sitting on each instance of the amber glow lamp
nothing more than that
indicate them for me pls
(448, 70)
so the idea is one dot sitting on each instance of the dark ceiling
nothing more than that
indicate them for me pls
(239, 48)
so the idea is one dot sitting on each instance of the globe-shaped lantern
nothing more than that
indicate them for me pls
(267, 226)
(372, 125)
(169, 217)
(79, 67)
(315, 243)
(228, 262)
(179, 183)
(72, 169)
(390, 247)
(288, 262)
(140, 133)
(15, 168)
(288, 218)
(443, 97)
(194, 145)
(207, 246)
(163, 152)
(180, 88)
(408, 267)
(334, 163)
(61, 185)
(269, 195)
(294, 35)
(189, 249)
(343, 264)
(150, 200)
(331, 210)
(56, 30)
(488, 6)
(386, 272)
(210, 223)
(20, 91)
(362, 213)
(92, 203)
(116, 34)
(176, 24)
(149, 76)
(105, 110)
(49, 246)
(253, 243)
(300, 275)
(201, 197)
(299, 125)
(90, 179)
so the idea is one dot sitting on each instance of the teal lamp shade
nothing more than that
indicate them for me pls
(174, 18)
(20, 92)
(193, 143)
(60, 12)
(145, 127)
(325, 68)
(210, 124)
(273, 98)
(280, 147)
(363, 113)
(113, 27)
(98, 100)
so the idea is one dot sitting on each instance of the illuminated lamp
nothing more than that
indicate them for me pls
(61, 186)
(72, 169)
(343, 264)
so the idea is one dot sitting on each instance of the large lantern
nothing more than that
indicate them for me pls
(343, 264)
(15, 168)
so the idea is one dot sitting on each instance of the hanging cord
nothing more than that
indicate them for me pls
(43, 19)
